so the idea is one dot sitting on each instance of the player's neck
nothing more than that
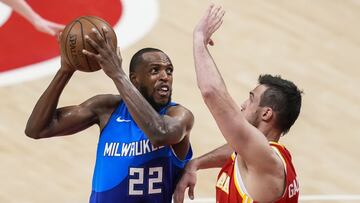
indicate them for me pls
(271, 133)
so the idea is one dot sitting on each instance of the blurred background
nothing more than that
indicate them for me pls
(316, 44)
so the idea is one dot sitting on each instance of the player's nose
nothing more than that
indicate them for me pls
(243, 106)
(164, 76)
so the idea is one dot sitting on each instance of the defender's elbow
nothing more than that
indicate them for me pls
(208, 93)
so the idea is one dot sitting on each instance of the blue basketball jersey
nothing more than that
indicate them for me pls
(129, 168)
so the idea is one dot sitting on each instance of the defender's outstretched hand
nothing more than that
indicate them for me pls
(48, 27)
(188, 180)
(209, 23)
(109, 59)
(40, 23)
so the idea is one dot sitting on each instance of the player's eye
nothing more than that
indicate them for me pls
(154, 70)
(169, 71)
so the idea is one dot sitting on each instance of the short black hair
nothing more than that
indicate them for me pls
(284, 97)
(137, 58)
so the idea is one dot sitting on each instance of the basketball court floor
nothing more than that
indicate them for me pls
(314, 43)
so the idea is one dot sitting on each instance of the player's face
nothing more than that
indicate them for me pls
(251, 108)
(156, 79)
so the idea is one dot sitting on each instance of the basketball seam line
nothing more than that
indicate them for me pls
(83, 42)
(66, 52)
(84, 17)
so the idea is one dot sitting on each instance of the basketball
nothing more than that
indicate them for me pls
(73, 41)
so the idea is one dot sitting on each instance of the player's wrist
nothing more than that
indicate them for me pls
(199, 37)
(117, 76)
(193, 165)
(66, 69)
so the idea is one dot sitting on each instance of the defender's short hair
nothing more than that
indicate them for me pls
(284, 97)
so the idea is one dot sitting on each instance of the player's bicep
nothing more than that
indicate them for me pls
(243, 137)
(256, 151)
(71, 119)
(76, 118)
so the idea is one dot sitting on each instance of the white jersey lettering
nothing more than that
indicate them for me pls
(129, 149)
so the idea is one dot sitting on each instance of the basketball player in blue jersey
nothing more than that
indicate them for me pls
(144, 141)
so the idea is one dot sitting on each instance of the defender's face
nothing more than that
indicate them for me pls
(251, 108)
(155, 78)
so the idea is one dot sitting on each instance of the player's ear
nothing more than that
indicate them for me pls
(267, 113)
(134, 79)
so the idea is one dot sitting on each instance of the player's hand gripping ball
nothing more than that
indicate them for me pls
(73, 41)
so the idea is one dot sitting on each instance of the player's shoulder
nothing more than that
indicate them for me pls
(104, 101)
(182, 112)
(179, 108)
(107, 98)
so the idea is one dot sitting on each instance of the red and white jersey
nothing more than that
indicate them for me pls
(230, 187)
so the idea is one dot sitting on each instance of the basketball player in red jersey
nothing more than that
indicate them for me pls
(255, 168)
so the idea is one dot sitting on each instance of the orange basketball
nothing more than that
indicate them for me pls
(73, 41)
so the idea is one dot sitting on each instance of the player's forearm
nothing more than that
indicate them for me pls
(211, 83)
(214, 159)
(215, 95)
(155, 126)
(45, 108)
(208, 77)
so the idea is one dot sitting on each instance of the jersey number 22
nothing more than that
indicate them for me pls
(156, 174)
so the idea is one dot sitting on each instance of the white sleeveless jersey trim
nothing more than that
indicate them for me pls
(239, 183)
(281, 157)
(284, 163)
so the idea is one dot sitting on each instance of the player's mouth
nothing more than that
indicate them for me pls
(163, 90)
